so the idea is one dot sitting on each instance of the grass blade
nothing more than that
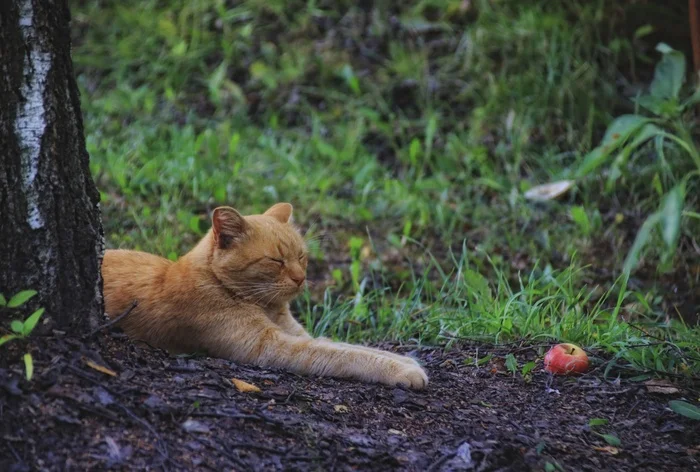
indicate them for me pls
(29, 366)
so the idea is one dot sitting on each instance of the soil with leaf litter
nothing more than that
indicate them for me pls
(106, 403)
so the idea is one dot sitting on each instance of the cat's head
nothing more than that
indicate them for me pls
(260, 257)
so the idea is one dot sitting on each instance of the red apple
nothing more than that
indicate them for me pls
(566, 359)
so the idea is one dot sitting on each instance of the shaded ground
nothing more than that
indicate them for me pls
(160, 412)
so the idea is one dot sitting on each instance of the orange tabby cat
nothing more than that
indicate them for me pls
(229, 296)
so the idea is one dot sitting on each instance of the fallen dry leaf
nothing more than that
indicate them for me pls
(100, 368)
(609, 449)
(341, 409)
(245, 387)
(549, 191)
(498, 365)
(365, 252)
(661, 386)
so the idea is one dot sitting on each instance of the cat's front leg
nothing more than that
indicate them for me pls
(397, 357)
(253, 338)
(291, 326)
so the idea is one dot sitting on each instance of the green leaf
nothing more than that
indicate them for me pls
(7, 338)
(578, 214)
(639, 378)
(179, 49)
(527, 368)
(669, 74)
(670, 211)
(511, 363)
(166, 28)
(414, 150)
(622, 128)
(325, 149)
(657, 185)
(685, 409)
(597, 422)
(3, 301)
(611, 439)
(350, 79)
(484, 360)
(652, 103)
(647, 132)
(29, 365)
(21, 298)
(640, 241)
(643, 31)
(619, 131)
(17, 326)
(31, 322)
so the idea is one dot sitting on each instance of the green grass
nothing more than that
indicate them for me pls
(545, 306)
(405, 135)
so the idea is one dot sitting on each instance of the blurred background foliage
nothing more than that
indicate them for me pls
(406, 135)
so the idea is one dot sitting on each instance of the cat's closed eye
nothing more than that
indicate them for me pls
(276, 260)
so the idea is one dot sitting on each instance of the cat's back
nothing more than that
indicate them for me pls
(130, 275)
(120, 262)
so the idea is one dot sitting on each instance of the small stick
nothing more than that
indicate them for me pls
(114, 320)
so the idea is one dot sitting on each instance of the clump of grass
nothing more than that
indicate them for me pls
(544, 306)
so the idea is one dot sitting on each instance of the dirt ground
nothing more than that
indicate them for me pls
(105, 403)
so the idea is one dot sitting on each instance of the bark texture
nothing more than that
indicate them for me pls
(51, 236)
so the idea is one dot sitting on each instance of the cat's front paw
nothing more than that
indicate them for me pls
(411, 376)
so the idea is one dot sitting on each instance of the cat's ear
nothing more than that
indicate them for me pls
(282, 212)
(228, 226)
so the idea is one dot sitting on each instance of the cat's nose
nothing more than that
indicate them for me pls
(298, 279)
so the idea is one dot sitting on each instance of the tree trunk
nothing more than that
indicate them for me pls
(51, 236)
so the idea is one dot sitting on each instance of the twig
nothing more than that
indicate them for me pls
(289, 397)
(114, 320)
(632, 409)
(645, 333)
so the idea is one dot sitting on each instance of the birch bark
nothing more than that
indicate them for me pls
(51, 236)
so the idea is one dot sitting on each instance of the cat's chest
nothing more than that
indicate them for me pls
(275, 314)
